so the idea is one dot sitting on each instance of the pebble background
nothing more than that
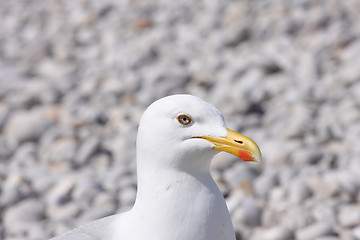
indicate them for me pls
(77, 75)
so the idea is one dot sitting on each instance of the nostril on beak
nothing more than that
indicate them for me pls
(239, 141)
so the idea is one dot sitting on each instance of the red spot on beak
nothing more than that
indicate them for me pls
(245, 155)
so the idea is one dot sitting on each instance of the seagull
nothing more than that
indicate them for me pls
(176, 197)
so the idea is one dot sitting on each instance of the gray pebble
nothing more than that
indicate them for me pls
(87, 148)
(61, 154)
(356, 232)
(86, 190)
(222, 162)
(349, 215)
(327, 238)
(127, 197)
(265, 184)
(28, 210)
(307, 155)
(314, 231)
(29, 125)
(249, 214)
(275, 233)
(14, 188)
(298, 191)
(63, 212)
(60, 194)
(239, 174)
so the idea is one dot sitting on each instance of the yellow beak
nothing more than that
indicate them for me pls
(238, 145)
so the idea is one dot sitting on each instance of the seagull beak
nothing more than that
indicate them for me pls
(238, 145)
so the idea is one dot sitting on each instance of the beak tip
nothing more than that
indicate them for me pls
(249, 155)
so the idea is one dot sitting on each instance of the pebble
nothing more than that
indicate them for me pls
(264, 184)
(61, 154)
(27, 125)
(6, 148)
(307, 155)
(222, 161)
(239, 175)
(127, 197)
(4, 112)
(86, 150)
(28, 210)
(349, 215)
(275, 233)
(278, 195)
(249, 214)
(314, 231)
(328, 238)
(298, 191)
(14, 188)
(356, 233)
(60, 193)
(64, 212)
(85, 190)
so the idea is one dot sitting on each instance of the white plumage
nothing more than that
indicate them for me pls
(177, 198)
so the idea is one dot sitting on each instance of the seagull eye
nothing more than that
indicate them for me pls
(184, 119)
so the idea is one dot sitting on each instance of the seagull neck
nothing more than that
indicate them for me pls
(155, 182)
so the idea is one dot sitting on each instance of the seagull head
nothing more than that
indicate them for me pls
(184, 132)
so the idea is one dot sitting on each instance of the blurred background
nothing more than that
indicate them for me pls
(75, 77)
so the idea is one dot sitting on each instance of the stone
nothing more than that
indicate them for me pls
(271, 217)
(314, 231)
(220, 182)
(63, 212)
(234, 38)
(28, 210)
(296, 216)
(327, 238)
(127, 197)
(307, 155)
(52, 69)
(239, 175)
(61, 153)
(300, 123)
(286, 175)
(325, 211)
(4, 113)
(346, 234)
(275, 233)
(349, 215)
(88, 147)
(6, 148)
(274, 152)
(356, 232)
(249, 214)
(234, 200)
(97, 213)
(264, 184)
(278, 195)
(28, 125)
(222, 161)
(60, 193)
(298, 191)
(101, 162)
(43, 182)
(85, 190)
(349, 184)
(14, 188)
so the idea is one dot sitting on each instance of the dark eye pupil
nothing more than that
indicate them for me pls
(183, 119)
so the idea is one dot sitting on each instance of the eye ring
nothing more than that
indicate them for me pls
(184, 119)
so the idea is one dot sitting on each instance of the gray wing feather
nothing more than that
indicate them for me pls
(97, 230)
